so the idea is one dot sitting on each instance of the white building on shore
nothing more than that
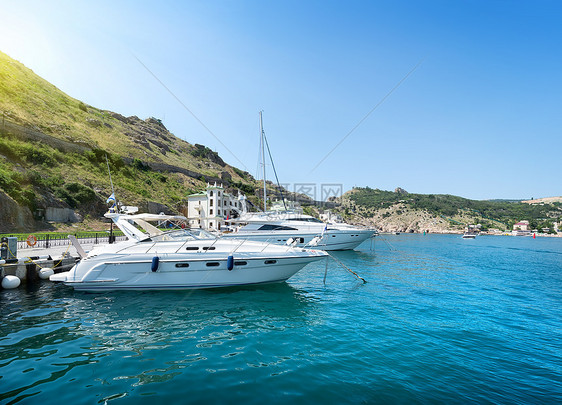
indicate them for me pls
(210, 209)
(522, 228)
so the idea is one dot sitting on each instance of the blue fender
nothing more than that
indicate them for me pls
(155, 262)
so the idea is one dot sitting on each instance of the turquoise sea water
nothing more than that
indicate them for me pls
(441, 320)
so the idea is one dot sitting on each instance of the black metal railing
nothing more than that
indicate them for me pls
(45, 241)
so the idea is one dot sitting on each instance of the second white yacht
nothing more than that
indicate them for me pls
(292, 227)
(297, 229)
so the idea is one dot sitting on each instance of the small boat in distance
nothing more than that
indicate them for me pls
(471, 231)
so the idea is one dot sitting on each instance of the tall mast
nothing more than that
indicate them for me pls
(262, 143)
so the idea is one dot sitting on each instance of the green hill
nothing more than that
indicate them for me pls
(53, 152)
(402, 211)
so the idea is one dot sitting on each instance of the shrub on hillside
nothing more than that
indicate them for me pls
(76, 194)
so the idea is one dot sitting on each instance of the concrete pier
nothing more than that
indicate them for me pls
(31, 261)
(28, 271)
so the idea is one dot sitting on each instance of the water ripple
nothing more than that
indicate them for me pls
(439, 320)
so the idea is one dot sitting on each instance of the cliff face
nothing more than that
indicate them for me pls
(408, 222)
(14, 218)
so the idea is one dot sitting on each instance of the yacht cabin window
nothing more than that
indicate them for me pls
(305, 219)
(269, 227)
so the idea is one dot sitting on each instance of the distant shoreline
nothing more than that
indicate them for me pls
(559, 235)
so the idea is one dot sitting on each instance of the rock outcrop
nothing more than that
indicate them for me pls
(14, 218)
(407, 222)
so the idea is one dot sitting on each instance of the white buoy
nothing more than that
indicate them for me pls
(45, 273)
(10, 282)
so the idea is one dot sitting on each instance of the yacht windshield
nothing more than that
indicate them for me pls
(181, 235)
(202, 234)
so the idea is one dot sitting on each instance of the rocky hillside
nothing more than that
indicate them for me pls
(400, 211)
(53, 151)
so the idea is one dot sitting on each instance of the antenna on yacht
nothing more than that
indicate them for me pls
(111, 198)
(109, 171)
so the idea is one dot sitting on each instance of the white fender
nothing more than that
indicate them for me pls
(45, 273)
(10, 282)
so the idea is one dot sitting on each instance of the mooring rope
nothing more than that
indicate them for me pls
(60, 261)
(30, 260)
(347, 268)
(388, 243)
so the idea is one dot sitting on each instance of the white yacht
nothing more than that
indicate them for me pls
(293, 227)
(181, 259)
(281, 227)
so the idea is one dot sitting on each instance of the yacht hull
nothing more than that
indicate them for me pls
(339, 240)
(174, 272)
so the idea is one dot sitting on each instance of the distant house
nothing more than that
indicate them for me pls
(522, 226)
(211, 208)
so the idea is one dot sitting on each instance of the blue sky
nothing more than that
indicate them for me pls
(478, 117)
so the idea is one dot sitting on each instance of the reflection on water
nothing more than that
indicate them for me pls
(151, 320)
(144, 337)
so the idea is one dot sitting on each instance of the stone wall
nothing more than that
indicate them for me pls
(60, 215)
